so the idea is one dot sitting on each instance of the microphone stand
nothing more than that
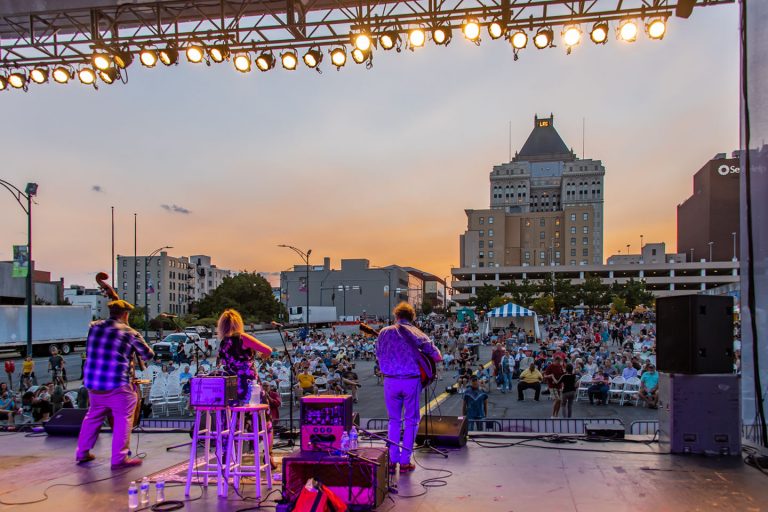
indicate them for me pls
(290, 435)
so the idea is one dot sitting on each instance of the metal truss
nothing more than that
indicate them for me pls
(69, 36)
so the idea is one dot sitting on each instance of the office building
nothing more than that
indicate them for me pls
(92, 297)
(650, 253)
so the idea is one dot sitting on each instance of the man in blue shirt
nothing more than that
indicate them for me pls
(649, 386)
(475, 404)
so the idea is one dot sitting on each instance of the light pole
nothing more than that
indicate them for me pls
(710, 250)
(29, 192)
(734, 245)
(691, 254)
(304, 256)
(641, 248)
(146, 287)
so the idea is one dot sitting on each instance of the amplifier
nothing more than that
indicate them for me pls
(324, 418)
(443, 431)
(66, 422)
(605, 431)
(361, 482)
(216, 391)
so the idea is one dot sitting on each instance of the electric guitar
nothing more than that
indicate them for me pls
(427, 366)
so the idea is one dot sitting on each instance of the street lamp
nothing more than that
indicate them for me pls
(29, 192)
(304, 256)
(146, 287)
(710, 250)
(734, 245)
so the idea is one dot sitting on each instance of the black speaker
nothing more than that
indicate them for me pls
(694, 334)
(443, 431)
(66, 422)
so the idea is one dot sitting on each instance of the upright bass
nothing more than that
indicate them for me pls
(136, 362)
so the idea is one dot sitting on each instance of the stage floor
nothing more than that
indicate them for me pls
(615, 477)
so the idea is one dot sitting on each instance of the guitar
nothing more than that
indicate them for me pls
(427, 366)
(101, 279)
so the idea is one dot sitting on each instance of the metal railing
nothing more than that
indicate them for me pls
(644, 427)
(535, 425)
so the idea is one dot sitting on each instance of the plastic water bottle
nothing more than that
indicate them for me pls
(133, 496)
(254, 393)
(345, 442)
(144, 491)
(353, 438)
(160, 491)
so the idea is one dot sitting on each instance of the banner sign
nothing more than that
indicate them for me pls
(20, 261)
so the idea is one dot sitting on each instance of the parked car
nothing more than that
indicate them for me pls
(199, 330)
(170, 344)
(165, 350)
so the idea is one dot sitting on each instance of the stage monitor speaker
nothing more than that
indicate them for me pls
(66, 422)
(360, 482)
(694, 334)
(443, 431)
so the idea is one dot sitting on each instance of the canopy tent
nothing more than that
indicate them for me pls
(464, 314)
(509, 313)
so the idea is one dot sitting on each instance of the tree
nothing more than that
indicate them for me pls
(136, 318)
(618, 306)
(498, 301)
(565, 293)
(593, 293)
(483, 297)
(426, 307)
(544, 305)
(249, 293)
(521, 294)
(635, 293)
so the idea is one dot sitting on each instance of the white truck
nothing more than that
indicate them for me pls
(317, 315)
(64, 327)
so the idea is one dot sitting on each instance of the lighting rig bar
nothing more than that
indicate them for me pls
(219, 30)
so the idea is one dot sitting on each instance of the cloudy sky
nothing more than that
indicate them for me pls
(378, 164)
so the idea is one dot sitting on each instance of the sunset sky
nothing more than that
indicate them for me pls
(376, 164)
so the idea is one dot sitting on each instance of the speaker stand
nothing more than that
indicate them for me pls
(427, 447)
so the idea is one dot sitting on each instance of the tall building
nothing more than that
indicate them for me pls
(78, 295)
(546, 208)
(710, 217)
(207, 277)
(651, 253)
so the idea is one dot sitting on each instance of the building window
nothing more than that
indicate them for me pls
(585, 216)
(573, 217)
(481, 244)
(541, 235)
(585, 252)
(585, 241)
(585, 229)
(573, 253)
(573, 230)
(490, 254)
(541, 256)
(557, 222)
(482, 254)
(542, 222)
(490, 232)
(527, 223)
(490, 220)
(557, 255)
(125, 274)
(125, 263)
(490, 244)
(482, 232)
(482, 220)
(583, 262)
(572, 262)
(557, 234)
(527, 255)
(653, 252)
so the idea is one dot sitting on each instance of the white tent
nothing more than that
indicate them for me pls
(523, 317)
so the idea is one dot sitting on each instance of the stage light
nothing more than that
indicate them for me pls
(17, 80)
(313, 58)
(148, 57)
(362, 41)
(39, 75)
(195, 53)
(169, 56)
(495, 29)
(339, 57)
(441, 35)
(101, 59)
(571, 36)
(657, 28)
(218, 53)
(543, 38)
(389, 39)
(417, 37)
(242, 62)
(471, 29)
(108, 76)
(3, 83)
(628, 31)
(87, 76)
(62, 75)
(359, 56)
(599, 33)
(289, 60)
(519, 40)
(122, 58)
(265, 61)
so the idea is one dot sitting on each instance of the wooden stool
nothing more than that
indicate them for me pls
(214, 422)
(258, 436)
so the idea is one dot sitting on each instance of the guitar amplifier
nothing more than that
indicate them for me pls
(361, 482)
(216, 391)
(324, 418)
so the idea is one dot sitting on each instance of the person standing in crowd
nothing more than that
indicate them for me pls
(28, 373)
(568, 392)
(475, 406)
(237, 351)
(10, 367)
(397, 352)
(112, 345)
(552, 373)
(507, 368)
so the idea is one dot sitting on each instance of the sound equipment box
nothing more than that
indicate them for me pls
(443, 431)
(216, 391)
(694, 334)
(700, 414)
(604, 431)
(324, 418)
(66, 422)
(362, 482)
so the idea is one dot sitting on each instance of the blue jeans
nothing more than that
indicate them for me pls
(507, 375)
(402, 400)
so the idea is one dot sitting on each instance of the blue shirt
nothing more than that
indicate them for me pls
(650, 380)
(396, 349)
(110, 348)
(475, 402)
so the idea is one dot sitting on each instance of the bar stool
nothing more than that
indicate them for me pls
(214, 422)
(258, 436)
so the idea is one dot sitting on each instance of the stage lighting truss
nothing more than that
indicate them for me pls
(339, 57)
(102, 38)
(442, 34)
(242, 62)
(265, 61)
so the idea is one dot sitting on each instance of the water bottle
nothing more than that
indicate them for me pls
(160, 491)
(344, 442)
(254, 393)
(144, 491)
(133, 496)
(353, 438)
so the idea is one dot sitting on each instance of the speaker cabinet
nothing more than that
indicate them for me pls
(694, 334)
(359, 482)
(66, 422)
(443, 431)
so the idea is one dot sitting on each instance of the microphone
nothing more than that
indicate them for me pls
(277, 324)
(167, 315)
